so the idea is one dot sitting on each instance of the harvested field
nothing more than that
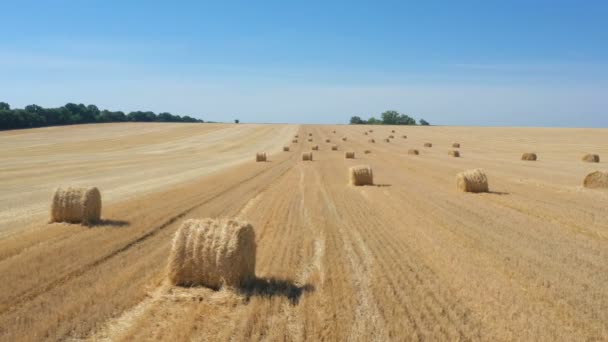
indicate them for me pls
(410, 258)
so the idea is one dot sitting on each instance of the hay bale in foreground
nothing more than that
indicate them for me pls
(260, 157)
(596, 180)
(212, 253)
(349, 155)
(315, 147)
(591, 158)
(472, 181)
(307, 156)
(454, 154)
(334, 148)
(456, 145)
(529, 156)
(413, 151)
(361, 175)
(428, 145)
(76, 205)
(285, 148)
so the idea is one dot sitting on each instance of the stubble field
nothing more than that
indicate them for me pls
(410, 258)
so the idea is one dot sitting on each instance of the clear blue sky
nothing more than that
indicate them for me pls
(516, 63)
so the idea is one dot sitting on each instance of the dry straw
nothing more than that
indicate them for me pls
(591, 158)
(76, 205)
(596, 180)
(472, 181)
(454, 154)
(260, 157)
(334, 148)
(307, 156)
(212, 253)
(315, 148)
(285, 148)
(456, 145)
(529, 156)
(361, 175)
(428, 145)
(349, 155)
(413, 151)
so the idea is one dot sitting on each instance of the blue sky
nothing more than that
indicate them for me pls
(515, 63)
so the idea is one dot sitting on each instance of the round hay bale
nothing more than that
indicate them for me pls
(456, 145)
(344, 139)
(310, 140)
(296, 136)
(315, 148)
(361, 175)
(295, 141)
(334, 131)
(596, 180)
(428, 145)
(365, 133)
(391, 137)
(404, 136)
(413, 152)
(371, 131)
(393, 131)
(472, 181)
(260, 157)
(349, 155)
(310, 134)
(387, 140)
(76, 205)
(367, 151)
(212, 253)
(285, 148)
(529, 156)
(327, 140)
(372, 141)
(454, 154)
(334, 148)
(307, 156)
(591, 158)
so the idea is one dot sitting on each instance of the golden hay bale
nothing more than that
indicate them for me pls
(413, 151)
(456, 145)
(367, 151)
(334, 131)
(391, 137)
(528, 156)
(212, 253)
(428, 145)
(315, 148)
(327, 140)
(296, 136)
(349, 155)
(365, 133)
(393, 131)
(404, 136)
(361, 175)
(307, 156)
(472, 181)
(310, 134)
(260, 157)
(344, 139)
(387, 140)
(310, 140)
(295, 141)
(372, 141)
(454, 154)
(76, 205)
(371, 131)
(285, 148)
(596, 180)
(591, 158)
(334, 148)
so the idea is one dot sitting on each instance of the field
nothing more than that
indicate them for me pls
(410, 258)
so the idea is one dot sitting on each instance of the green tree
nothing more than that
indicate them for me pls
(373, 121)
(390, 117)
(355, 120)
(4, 106)
(424, 123)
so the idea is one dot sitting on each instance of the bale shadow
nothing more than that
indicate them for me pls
(110, 223)
(499, 193)
(382, 185)
(272, 287)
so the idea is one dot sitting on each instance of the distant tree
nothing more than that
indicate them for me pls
(373, 121)
(4, 106)
(236, 121)
(390, 117)
(424, 123)
(355, 120)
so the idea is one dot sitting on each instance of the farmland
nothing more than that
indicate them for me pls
(408, 258)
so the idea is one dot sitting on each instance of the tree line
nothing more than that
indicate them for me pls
(72, 114)
(389, 117)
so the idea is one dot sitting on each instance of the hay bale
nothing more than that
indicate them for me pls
(260, 157)
(365, 133)
(393, 131)
(349, 155)
(428, 145)
(456, 145)
(387, 140)
(334, 148)
(334, 131)
(391, 137)
(212, 253)
(361, 175)
(310, 140)
(371, 131)
(404, 136)
(413, 152)
(296, 136)
(344, 139)
(307, 156)
(472, 181)
(372, 141)
(315, 147)
(295, 141)
(454, 154)
(528, 156)
(596, 180)
(591, 158)
(285, 148)
(76, 205)
(310, 134)
(327, 140)
(367, 151)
